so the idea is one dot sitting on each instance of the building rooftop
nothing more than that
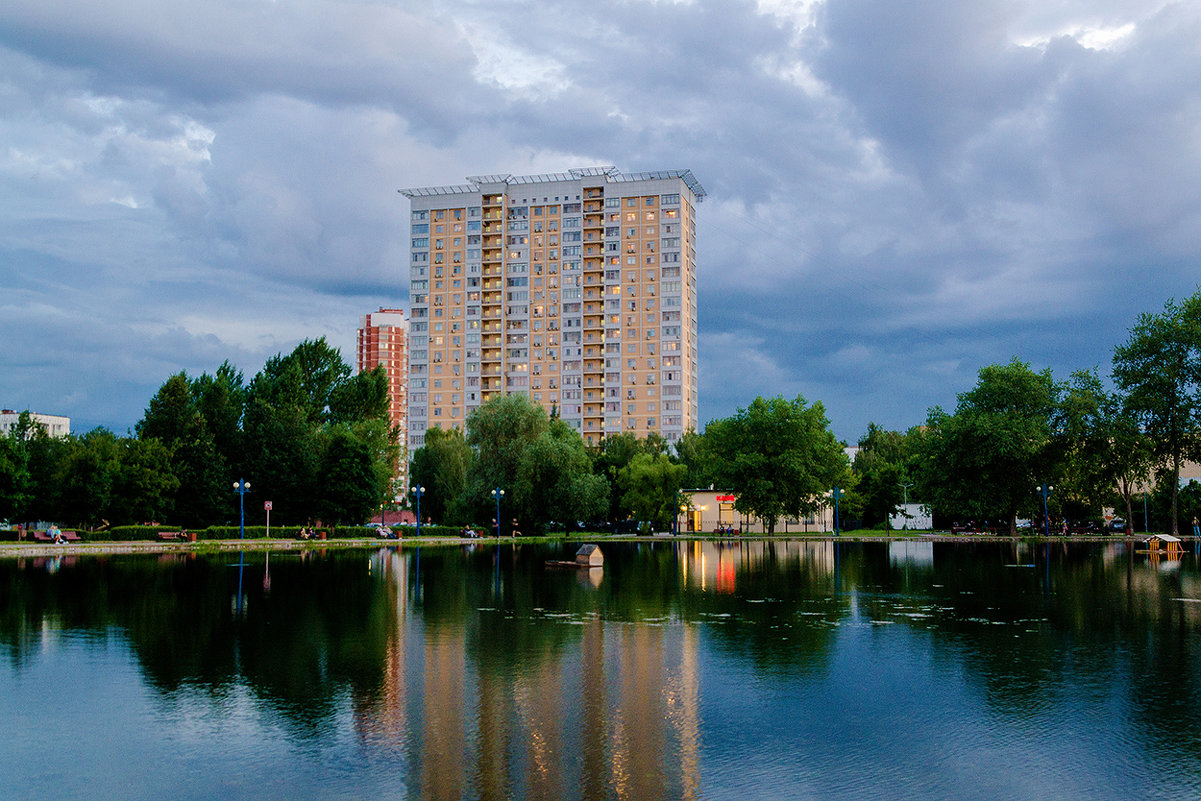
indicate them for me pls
(609, 173)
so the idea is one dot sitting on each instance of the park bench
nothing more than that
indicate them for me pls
(171, 536)
(42, 536)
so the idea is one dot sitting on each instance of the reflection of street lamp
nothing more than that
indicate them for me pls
(498, 493)
(242, 486)
(905, 488)
(1045, 490)
(418, 491)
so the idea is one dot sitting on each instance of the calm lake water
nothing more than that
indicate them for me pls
(680, 671)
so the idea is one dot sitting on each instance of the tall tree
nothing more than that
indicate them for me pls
(881, 469)
(499, 431)
(349, 489)
(1102, 445)
(14, 478)
(778, 456)
(144, 486)
(440, 467)
(87, 477)
(693, 453)
(219, 398)
(554, 479)
(986, 458)
(651, 488)
(1158, 370)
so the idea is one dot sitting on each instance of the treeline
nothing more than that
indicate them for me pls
(778, 455)
(309, 436)
(314, 439)
(1092, 443)
(1094, 446)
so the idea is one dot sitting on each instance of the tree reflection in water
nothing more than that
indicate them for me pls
(476, 673)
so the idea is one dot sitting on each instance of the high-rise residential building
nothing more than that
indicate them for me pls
(577, 289)
(383, 341)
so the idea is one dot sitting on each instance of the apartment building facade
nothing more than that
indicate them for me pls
(383, 341)
(577, 289)
(56, 426)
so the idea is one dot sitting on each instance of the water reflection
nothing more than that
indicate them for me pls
(683, 670)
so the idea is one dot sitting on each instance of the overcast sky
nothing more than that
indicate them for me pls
(899, 193)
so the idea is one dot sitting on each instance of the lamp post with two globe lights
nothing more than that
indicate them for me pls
(418, 491)
(498, 493)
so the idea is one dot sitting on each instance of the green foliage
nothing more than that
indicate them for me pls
(985, 459)
(554, 480)
(778, 456)
(307, 435)
(693, 452)
(15, 482)
(499, 432)
(1158, 370)
(881, 468)
(1102, 446)
(440, 466)
(363, 396)
(87, 477)
(651, 488)
(614, 455)
(144, 484)
(348, 479)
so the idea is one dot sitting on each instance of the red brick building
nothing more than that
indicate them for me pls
(383, 340)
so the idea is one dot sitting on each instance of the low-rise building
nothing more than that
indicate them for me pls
(55, 425)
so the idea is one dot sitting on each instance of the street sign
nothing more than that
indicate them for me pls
(267, 505)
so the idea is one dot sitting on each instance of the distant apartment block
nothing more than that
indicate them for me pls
(383, 342)
(55, 425)
(577, 289)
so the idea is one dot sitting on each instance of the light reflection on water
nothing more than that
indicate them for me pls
(682, 670)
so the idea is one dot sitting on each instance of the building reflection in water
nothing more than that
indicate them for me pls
(610, 709)
(714, 565)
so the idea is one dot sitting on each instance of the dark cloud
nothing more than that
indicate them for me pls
(899, 193)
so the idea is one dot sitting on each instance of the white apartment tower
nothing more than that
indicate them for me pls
(577, 289)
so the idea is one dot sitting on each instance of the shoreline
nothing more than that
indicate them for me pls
(17, 550)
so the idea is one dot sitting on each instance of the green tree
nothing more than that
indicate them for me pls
(651, 488)
(363, 396)
(692, 451)
(171, 415)
(613, 455)
(440, 466)
(881, 468)
(985, 459)
(14, 478)
(87, 477)
(1103, 448)
(183, 415)
(349, 487)
(499, 432)
(220, 399)
(281, 459)
(46, 456)
(778, 456)
(144, 486)
(1158, 371)
(555, 481)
